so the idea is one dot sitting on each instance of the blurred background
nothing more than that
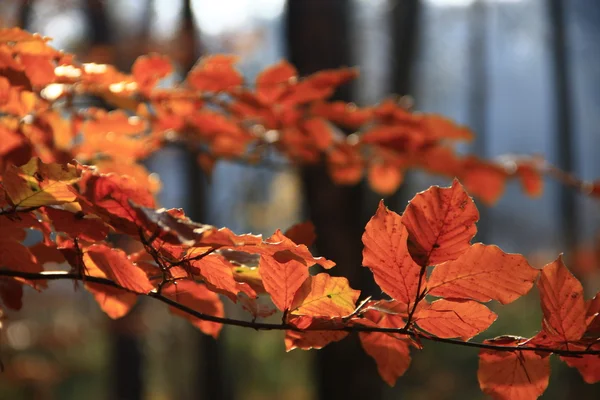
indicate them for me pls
(523, 74)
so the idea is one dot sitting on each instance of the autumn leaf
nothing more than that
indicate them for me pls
(455, 319)
(390, 351)
(324, 295)
(218, 273)
(116, 303)
(318, 332)
(384, 177)
(513, 375)
(563, 305)
(11, 293)
(483, 273)
(38, 184)
(440, 223)
(196, 297)
(117, 267)
(302, 233)
(148, 70)
(273, 81)
(215, 73)
(386, 254)
(77, 225)
(587, 365)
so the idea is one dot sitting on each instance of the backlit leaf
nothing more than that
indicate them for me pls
(324, 295)
(440, 223)
(386, 254)
(390, 351)
(302, 233)
(483, 273)
(37, 184)
(115, 264)
(197, 297)
(513, 375)
(455, 319)
(564, 308)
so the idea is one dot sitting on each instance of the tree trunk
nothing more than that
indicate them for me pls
(317, 33)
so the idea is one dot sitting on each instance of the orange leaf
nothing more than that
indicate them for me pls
(215, 73)
(517, 375)
(197, 297)
(116, 303)
(324, 295)
(116, 265)
(385, 178)
(38, 68)
(148, 70)
(483, 180)
(313, 338)
(390, 352)
(483, 273)
(282, 274)
(386, 254)
(319, 132)
(303, 233)
(273, 81)
(531, 179)
(455, 319)
(562, 301)
(587, 365)
(342, 113)
(345, 164)
(440, 223)
(217, 272)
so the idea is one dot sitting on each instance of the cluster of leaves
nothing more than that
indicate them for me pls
(435, 280)
(219, 116)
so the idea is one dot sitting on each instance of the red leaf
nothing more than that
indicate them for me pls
(77, 225)
(483, 273)
(587, 365)
(116, 266)
(319, 132)
(215, 73)
(345, 165)
(564, 308)
(385, 178)
(513, 375)
(272, 82)
(440, 223)
(455, 319)
(302, 233)
(390, 351)
(148, 70)
(116, 303)
(386, 254)
(197, 297)
(11, 292)
(313, 338)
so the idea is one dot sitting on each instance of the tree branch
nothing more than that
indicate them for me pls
(64, 275)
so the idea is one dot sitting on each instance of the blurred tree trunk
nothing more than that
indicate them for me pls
(404, 42)
(317, 34)
(210, 382)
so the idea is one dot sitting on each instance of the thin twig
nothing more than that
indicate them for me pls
(63, 275)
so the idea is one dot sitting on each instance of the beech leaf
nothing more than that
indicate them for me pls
(483, 273)
(386, 254)
(455, 319)
(440, 223)
(562, 301)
